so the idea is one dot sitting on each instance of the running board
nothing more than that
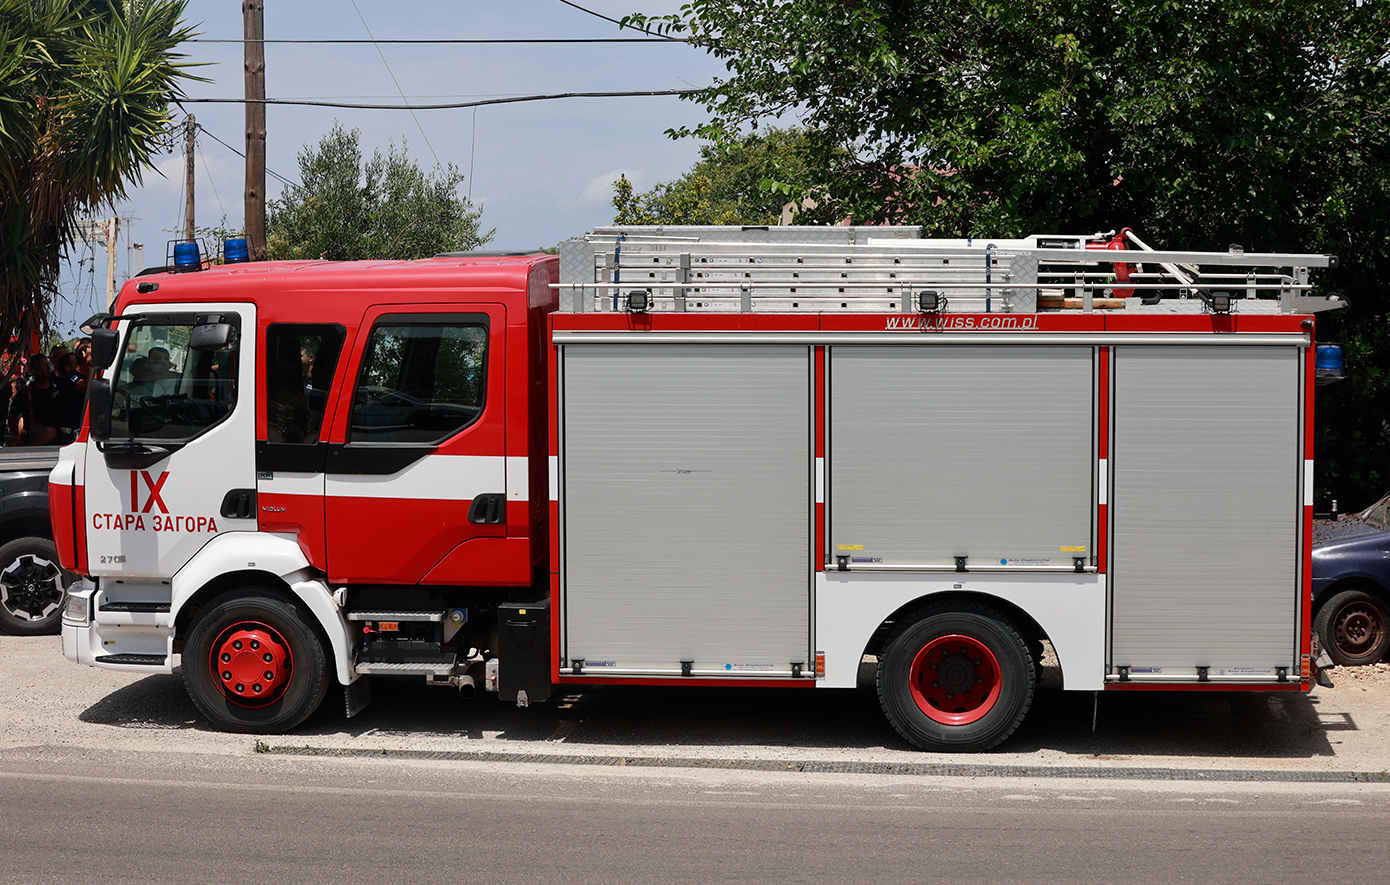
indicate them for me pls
(132, 660)
(396, 616)
(436, 664)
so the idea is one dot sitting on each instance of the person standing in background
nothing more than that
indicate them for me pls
(71, 399)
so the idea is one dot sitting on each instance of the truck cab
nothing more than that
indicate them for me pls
(277, 446)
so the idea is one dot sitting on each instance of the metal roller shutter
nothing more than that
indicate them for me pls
(686, 506)
(1206, 508)
(978, 451)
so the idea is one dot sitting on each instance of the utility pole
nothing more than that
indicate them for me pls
(188, 179)
(253, 20)
(111, 227)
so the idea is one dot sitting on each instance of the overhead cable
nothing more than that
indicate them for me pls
(434, 107)
(397, 82)
(271, 172)
(618, 23)
(446, 40)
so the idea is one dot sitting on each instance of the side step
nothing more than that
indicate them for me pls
(396, 616)
(156, 607)
(133, 660)
(435, 663)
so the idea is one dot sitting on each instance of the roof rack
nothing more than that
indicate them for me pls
(797, 269)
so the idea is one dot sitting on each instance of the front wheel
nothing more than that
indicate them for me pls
(1352, 627)
(253, 664)
(32, 587)
(956, 678)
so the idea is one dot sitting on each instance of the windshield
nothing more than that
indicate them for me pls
(163, 390)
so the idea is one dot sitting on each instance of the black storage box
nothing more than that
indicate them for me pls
(523, 650)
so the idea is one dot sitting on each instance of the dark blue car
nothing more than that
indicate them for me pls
(1351, 585)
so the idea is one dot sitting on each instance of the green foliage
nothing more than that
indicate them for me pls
(85, 88)
(385, 208)
(735, 181)
(1199, 125)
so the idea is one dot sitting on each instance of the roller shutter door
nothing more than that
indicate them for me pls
(1206, 509)
(686, 506)
(978, 451)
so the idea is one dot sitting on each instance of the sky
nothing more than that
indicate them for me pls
(541, 171)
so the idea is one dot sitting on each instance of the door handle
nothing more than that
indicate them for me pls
(239, 504)
(488, 509)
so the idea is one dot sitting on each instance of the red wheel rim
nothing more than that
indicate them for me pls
(251, 664)
(955, 679)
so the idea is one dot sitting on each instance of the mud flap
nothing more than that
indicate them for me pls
(1322, 662)
(357, 694)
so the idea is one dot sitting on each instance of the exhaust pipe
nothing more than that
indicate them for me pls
(468, 688)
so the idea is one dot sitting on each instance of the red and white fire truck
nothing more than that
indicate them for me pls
(704, 457)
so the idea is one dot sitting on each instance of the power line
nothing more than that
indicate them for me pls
(448, 40)
(397, 82)
(435, 107)
(618, 23)
(271, 172)
(208, 170)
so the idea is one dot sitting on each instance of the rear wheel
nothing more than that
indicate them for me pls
(253, 664)
(32, 587)
(1352, 627)
(956, 678)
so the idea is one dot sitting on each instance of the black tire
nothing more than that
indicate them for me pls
(33, 587)
(236, 636)
(956, 677)
(1352, 627)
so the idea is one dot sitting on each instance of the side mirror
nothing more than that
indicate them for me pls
(104, 344)
(210, 336)
(99, 405)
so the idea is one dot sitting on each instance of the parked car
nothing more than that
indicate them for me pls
(32, 585)
(1351, 585)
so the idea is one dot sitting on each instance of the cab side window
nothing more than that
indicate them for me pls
(300, 359)
(164, 390)
(419, 383)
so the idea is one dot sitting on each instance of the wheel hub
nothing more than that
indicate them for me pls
(955, 679)
(251, 664)
(31, 588)
(1358, 629)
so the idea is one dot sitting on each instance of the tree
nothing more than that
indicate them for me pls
(1199, 125)
(387, 208)
(735, 181)
(85, 87)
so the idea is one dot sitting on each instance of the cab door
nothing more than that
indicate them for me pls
(300, 373)
(179, 466)
(416, 466)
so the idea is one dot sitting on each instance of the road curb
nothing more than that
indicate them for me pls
(920, 769)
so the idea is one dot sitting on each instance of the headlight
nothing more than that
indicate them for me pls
(79, 605)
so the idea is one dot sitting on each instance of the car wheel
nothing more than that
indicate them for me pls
(1351, 626)
(32, 587)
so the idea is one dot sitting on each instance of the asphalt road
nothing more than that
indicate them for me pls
(110, 817)
(109, 777)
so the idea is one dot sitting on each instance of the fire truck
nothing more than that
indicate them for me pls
(704, 456)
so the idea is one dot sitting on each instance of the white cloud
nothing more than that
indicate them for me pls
(599, 190)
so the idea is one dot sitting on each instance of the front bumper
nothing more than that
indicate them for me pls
(132, 647)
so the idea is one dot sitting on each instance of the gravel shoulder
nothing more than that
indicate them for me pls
(51, 702)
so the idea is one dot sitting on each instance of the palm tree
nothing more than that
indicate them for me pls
(85, 88)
